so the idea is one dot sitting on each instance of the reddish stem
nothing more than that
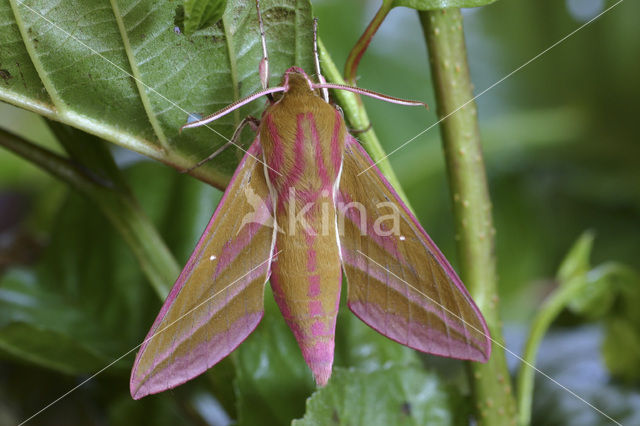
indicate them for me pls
(351, 66)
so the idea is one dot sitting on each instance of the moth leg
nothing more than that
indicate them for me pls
(321, 79)
(247, 121)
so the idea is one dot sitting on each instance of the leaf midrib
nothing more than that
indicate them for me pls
(135, 73)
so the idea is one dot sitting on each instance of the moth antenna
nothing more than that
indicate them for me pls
(369, 93)
(325, 91)
(232, 107)
(264, 62)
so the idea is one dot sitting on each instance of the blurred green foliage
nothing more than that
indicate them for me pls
(561, 147)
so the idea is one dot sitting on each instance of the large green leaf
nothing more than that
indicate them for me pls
(393, 396)
(121, 71)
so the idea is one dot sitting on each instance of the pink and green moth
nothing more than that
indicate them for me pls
(297, 212)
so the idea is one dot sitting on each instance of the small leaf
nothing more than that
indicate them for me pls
(596, 287)
(576, 262)
(601, 288)
(393, 396)
(200, 14)
(439, 4)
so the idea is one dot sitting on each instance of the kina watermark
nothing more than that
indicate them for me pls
(322, 213)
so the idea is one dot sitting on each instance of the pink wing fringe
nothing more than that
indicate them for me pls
(460, 349)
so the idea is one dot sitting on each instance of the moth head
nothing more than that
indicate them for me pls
(296, 81)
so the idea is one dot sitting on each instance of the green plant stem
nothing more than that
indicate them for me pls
(553, 305)
(357, 117)
(495, 404)
(157, 262)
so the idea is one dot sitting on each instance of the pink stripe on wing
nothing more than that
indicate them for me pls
(203, 356)
(425, 338)
(351, 144)
(205, 312)
(234, 248)
(352, 212)
(380, 274)
(431, 246)
(254, 150)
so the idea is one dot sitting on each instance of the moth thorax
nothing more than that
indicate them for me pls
(298, 84)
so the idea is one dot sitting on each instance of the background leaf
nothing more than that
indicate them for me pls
(391, 396)
(360, 346)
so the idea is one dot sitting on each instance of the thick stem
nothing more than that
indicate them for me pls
(495, 404)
